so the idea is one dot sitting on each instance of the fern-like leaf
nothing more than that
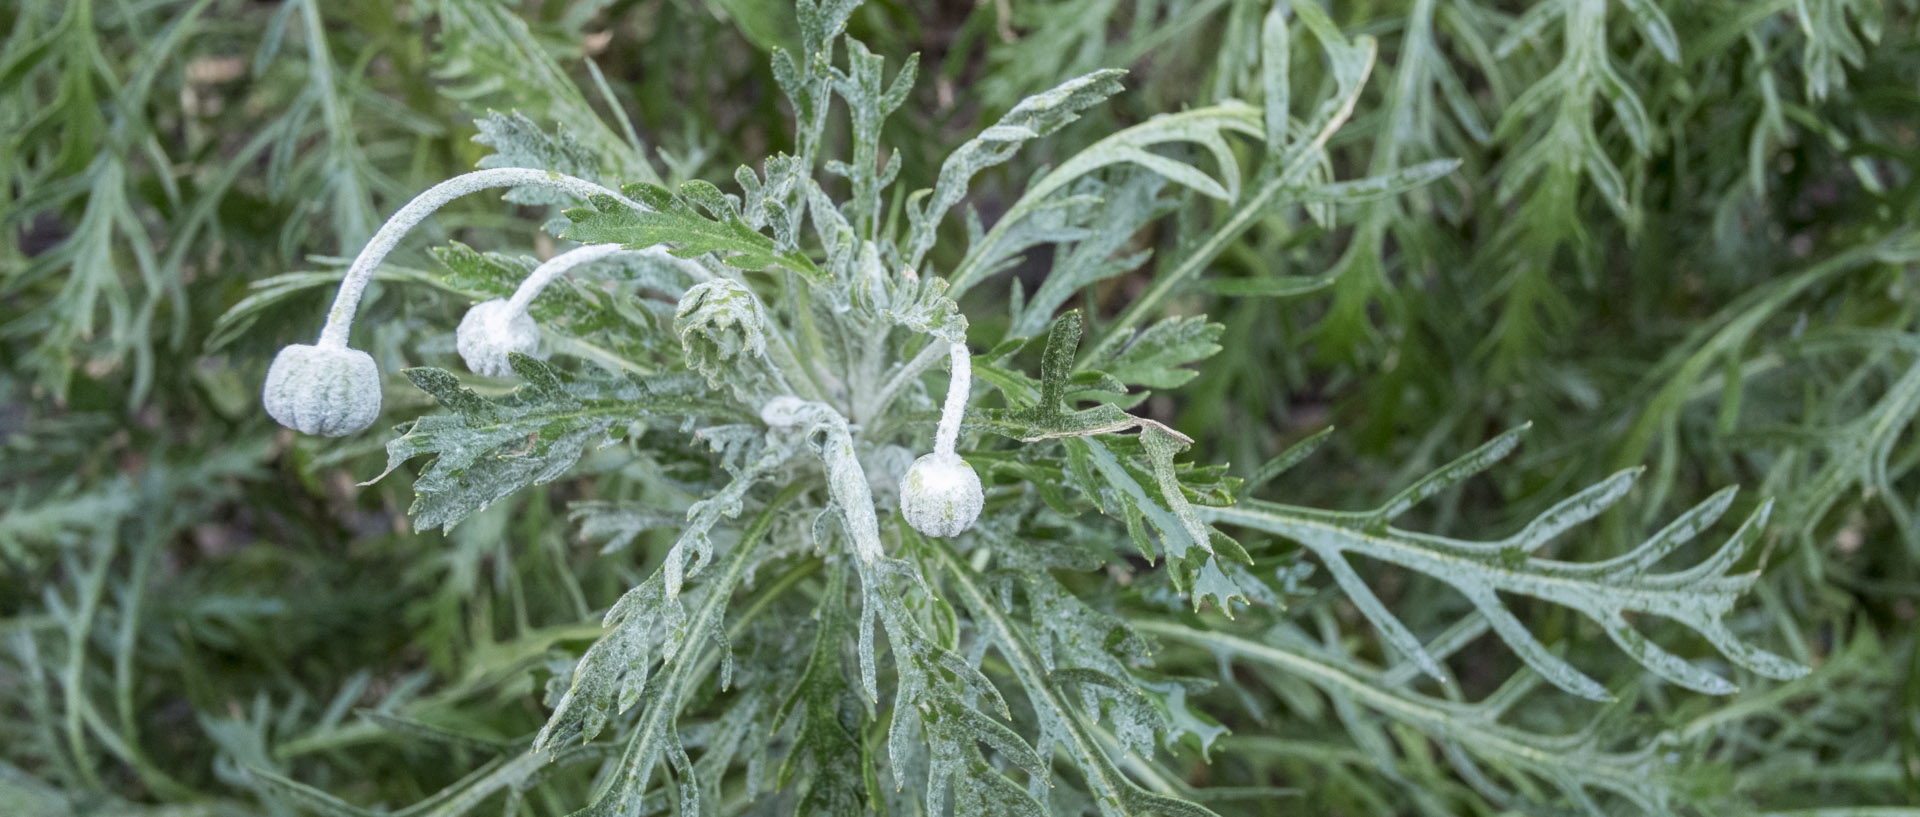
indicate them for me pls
(1607, 592)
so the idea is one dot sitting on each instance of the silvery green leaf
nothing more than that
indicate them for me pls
(486, 449)
(1061, 723)
(1155, 359)
(1486, 570)
(1387, 185)
(489, 55)
(696, 221)
(1084, 256)
(1203, 127)
(1575, 765)
(1035, 116)
(519, 142)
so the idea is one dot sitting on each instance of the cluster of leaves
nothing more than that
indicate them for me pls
(1682, 237)
(760, 633)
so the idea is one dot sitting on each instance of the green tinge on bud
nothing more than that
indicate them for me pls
(720, 321)
(490, 331)
(331, 391)
(941, 495)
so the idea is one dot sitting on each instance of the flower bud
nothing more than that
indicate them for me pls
(329, 391)
(492, 329)
(941, 495)
(719, 321)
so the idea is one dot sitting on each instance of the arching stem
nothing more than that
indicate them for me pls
(551, 270)
(347, 302)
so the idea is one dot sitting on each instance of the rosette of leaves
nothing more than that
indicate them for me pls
(1007, 671)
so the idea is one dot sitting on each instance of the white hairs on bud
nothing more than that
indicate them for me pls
(320, 390)
(347, 301)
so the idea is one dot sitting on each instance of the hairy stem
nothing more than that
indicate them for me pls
(577, 257)
(552, 269)
(347, 302)
(948, 434)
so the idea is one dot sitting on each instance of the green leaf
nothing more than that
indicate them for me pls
(488, 55)
(487, 449)
(1285, 461)
(1203, 127)
(1384, 186)
(827, 741)
(696, 221)
(1155, 358)
(647, 625)
(1658, 28)
(1277, 94)
(1060, 723)
(300, 795)
(1576, 764)
(1035, 116)
(518, 142)
(1113, 215)
(1482, 570)
(1053, 417)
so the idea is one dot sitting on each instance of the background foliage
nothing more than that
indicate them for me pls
(1679, 235)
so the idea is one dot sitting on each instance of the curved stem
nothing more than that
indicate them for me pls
(566, 262)
(347, 302)
(948, 434)
(554, 268)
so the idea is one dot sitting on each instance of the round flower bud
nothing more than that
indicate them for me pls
(329, 391)
(490, 330)
(941, 495)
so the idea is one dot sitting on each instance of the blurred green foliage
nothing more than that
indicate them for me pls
(1682, 234)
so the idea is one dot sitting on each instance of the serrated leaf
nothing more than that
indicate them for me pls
(1156, 357)
(1060, 723)
(1052, 417)
(1384, 186)
(679, 222)
(1576, 764)
(487, 449)
(1035, 116)
(646, 626)
(519, 142)
(1482, 570)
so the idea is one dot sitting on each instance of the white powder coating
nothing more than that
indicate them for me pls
(959, 383)
(941, 495)
(555, 267)
(347, 301)
(332, 392)
(491, 330)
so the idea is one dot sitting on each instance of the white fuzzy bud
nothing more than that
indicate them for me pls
(492, 329)
(332, 391)
(941, 495)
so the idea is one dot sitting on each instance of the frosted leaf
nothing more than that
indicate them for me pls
(490, 331)
(328, 391)
(720, 321)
